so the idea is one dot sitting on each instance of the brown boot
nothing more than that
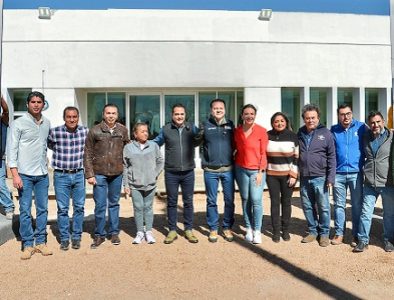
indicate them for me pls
(337, 240)
(43, 249)
(27, 253)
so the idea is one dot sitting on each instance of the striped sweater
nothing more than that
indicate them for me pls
(282, 153)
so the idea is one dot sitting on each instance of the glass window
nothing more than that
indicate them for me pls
(119, 99)
(229, 98)
(186, 100)
(371, 101)
(204, 99)
(240, 104)
(345, 95)
(146, 109)
(18, 97)
(96, 103)
(318, 96)
(291, 105)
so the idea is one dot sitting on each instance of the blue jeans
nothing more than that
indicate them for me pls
(38, 184)
(252, 197)
(143, 208)
(314, 193)
(370, 196)
(173, 180)
(69, 185)
(106, 193)
(353, 181)
(211, 180)
(5, 194)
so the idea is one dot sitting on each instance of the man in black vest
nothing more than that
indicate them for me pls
(179, 138)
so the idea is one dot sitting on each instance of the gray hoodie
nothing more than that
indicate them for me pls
(141, 167)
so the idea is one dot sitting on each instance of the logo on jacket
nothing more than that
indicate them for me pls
(355, 133)
(321, 137)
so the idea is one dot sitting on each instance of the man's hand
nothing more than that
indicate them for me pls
(17, 182)
(92, 180)
(291, 182)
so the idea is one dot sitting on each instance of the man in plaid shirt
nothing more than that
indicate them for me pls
(67, 142)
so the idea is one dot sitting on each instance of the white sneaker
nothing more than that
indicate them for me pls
(256, 237)
(139, 238)
(150, 239)
(249, 235)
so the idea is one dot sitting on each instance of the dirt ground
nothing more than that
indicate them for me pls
(199, 271)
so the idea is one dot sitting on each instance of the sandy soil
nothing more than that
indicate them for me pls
(199, 271)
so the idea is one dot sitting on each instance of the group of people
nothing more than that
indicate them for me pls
(350, 156)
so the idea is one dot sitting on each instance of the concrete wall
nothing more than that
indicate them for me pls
(128, 49)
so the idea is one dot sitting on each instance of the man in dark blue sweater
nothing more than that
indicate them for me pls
(217, 163)
(317, 168)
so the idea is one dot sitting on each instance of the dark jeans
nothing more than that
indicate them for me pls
(173, 180)
(280, 193)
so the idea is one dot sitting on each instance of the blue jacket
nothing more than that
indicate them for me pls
(317, 158)
(349, 147)
(217, 148)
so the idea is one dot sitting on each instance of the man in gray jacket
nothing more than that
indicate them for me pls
(377, 144)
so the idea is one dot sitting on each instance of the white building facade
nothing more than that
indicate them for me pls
(147, 60)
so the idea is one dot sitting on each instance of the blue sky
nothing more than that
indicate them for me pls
(376, 7)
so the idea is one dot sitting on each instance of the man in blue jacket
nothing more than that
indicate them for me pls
(348, 135)
(217, 163)
(317, 168)
(180, 138)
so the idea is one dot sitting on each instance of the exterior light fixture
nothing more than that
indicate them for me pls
(44, 13)
(265, 15)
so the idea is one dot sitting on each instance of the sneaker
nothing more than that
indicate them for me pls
(309, 238)
(43, 249)
(64, 245)
(139, 238)
(256, 237)
(27, 253)
(171, 237)
(213, 236)
(354, 242)
(115, 240)
(150, 239)
(190, 236)
(76, 244)
(361, 246)
(337, 240)
(97, 241)
(228, 235)
(249, 235)
(324, 241)
(9, 215)
(286, 236)
(388, 247)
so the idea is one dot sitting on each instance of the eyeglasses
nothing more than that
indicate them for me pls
(348, 114)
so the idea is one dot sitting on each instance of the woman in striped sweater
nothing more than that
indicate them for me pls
(282, 173)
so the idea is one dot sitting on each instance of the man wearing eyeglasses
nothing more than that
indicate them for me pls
(348, 134)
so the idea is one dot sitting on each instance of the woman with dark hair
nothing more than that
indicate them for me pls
(282, 173)
(250, 163)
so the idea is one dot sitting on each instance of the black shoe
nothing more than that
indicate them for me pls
(388, 247)
(115, 240)
(64, 245)
(361, 246)
(97, 242)
(276, 238)
(76, 244)
(286, 236)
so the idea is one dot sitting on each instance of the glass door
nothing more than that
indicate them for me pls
(145, 109)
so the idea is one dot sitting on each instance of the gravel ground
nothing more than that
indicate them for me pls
(199, 271)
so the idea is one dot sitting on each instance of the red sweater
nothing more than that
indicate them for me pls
(251, 151)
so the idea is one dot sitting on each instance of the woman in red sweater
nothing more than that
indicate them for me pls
(250, 163)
